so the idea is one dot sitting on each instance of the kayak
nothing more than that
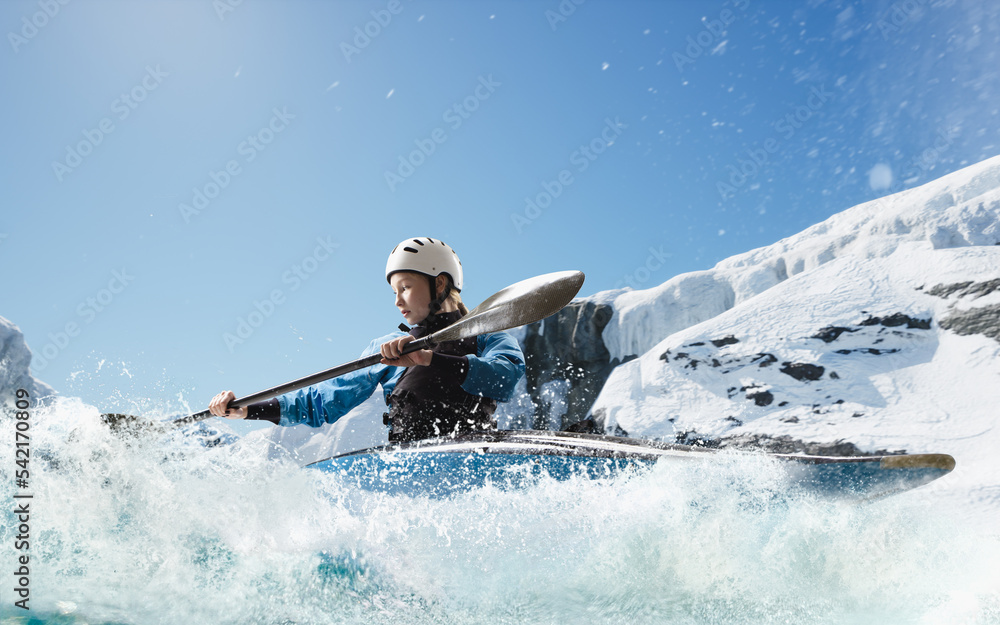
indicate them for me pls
(512, 459)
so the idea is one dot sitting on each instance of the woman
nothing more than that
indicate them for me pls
(449, 390)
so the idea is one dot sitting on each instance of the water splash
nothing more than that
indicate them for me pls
(166, 530)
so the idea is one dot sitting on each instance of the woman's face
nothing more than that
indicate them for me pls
(413, 295)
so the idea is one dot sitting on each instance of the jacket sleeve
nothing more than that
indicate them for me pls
(328, 401)
(496, 368)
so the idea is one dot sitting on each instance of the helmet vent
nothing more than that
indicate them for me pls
(431, 257)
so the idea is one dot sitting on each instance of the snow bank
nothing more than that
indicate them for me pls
(960, 209)
(854, 350)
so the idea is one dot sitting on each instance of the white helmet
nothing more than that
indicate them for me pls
(427, 256)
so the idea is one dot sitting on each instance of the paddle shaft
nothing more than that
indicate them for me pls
(525, 302)
(426, 342)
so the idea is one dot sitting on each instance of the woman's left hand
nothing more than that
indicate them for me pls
(392, 354)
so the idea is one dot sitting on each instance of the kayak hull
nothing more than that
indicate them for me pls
(516, 459)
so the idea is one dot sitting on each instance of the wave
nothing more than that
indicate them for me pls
(166, 530)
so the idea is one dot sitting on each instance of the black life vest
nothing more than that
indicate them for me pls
(429, 401)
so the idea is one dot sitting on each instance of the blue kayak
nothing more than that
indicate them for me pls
(518, 458)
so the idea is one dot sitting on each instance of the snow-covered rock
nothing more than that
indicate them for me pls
(960, 209)
(809, 324)
(853, 350)
(899, 353)
(876, 330)
(583, 345)
(15, 363)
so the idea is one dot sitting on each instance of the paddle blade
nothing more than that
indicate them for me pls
(525, 302)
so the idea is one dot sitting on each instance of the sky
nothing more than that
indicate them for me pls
(200, 195)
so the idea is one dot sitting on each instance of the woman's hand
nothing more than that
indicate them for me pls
(392, 354)
(218, 406)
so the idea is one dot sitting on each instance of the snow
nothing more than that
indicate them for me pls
(960, 209)
(15, 361)
(864, 309)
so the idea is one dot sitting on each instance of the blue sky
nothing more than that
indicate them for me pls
(172, 170)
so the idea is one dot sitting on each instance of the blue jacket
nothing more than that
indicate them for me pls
(493, 372)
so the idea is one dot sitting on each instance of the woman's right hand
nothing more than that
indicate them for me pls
(218, 406)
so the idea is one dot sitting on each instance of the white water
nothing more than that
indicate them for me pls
(164, 530)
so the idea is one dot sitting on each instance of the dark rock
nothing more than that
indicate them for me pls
(586, 426)
(695, 440)
(764, 360)
(736, 422)
(985, 321)
(570, 348)
(898, 319)
(763, 398)
(727, 340)
(963, 289)
(802, 371)
(947, 290)
(867, 350)
(618, 431)
(830, 334)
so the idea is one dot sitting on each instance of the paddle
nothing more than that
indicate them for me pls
(524, 302)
